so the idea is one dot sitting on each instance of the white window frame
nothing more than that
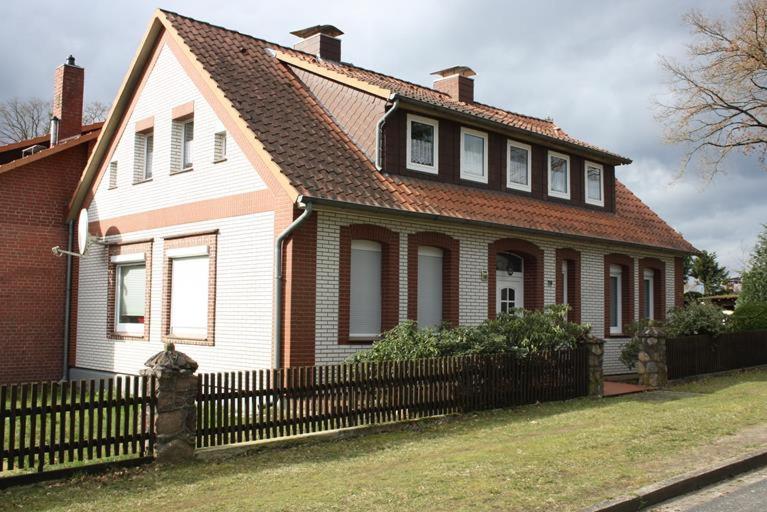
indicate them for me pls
(182, 253)
(121, 261)
(148, 162)
(565, 276)
(555, 193)
(184, 165)
(483, 135)
(373, 246)
(649, 293)
(413, 166)
(519, 145)
(589, 200)
(617, 271)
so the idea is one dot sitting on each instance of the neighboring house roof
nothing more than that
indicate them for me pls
(11, 154)
(322, 163)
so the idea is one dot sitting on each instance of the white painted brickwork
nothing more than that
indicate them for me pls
(169, 86)
(473, 290)
(243, 327)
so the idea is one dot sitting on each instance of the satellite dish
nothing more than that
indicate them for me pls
(83, 237)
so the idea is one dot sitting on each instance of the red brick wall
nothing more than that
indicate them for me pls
(32, 279)
(67, 105)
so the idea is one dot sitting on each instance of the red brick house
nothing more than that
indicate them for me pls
(265, 205)
(37, 179)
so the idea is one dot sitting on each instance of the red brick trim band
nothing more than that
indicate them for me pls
(450, 247)
(627, 292)
(129, 248)
(389, 241)
(532, 256)
(659, 287)
(210, 240)
(573, 259)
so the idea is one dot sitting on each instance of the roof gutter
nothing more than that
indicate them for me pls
(607, 157)
(278, 250)
(379, 130)
(494, 225)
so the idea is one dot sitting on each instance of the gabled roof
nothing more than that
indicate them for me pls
(87, 133)
(321, 163)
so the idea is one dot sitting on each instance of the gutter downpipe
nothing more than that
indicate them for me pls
(379, 130)
(278, 245)
(68, 303)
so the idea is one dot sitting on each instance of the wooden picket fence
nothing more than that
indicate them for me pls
(700, 354)
(237, 407)
(51, 423)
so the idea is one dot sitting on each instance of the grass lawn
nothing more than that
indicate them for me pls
(556, 456)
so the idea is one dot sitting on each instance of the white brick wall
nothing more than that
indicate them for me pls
(243, 327)
(472, 289)
(169, 86)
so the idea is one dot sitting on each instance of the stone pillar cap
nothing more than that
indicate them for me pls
(652, 331)
(171, 360)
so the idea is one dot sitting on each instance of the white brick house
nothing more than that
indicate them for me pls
(395, 202)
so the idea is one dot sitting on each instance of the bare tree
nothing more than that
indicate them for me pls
(719, 98)
(95, 112)
(23, 119)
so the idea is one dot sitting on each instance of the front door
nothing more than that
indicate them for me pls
(509, 292)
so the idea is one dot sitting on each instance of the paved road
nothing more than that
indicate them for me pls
(746, 493)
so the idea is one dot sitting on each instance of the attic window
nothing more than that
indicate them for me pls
(113, 174)
(422, 144)
(518, 167)
(473, 155)
(187, 142)
(219, 147)
(594, 184)
(559, 175)
(182, 144)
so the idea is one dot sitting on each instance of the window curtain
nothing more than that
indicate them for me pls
(474, 154)
(595, 183)
(518, 165)
(421, 143)
(559, 174)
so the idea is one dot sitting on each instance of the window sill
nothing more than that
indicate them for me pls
(182, 171)
(139, 182)
(423, 170)
(220, 160)
(187, 341)
(360, 340)
(126, 336)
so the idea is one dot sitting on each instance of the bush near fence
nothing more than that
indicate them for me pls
(700, 354)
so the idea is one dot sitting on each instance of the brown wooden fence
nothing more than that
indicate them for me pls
(245, 406)
(694, 355)
(51, 423)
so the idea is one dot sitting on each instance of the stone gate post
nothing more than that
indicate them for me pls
(175, 419)
(596, 349)
(651, 364)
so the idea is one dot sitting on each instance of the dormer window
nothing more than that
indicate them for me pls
(473, 155)
(423, 144)
(518, 168)
(594, 184)
(559, 175)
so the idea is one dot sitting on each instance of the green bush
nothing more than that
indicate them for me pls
(522, 333)
(630, 351)
(695, 319)
(751, 316)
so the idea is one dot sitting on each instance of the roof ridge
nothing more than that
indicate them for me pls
(355, 66)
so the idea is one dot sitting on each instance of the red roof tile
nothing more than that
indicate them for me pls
(321, 162)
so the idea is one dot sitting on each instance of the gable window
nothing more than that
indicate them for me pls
(128, 289)
(112, 174)
(559, 175)
(648, 282)
(189, 289)
(616, 299)
(219, 147)
(430, 276)
(518, 166)
(144, 156)
(422, 144)
(365, 303)
(473, 155)
(594, 184)
(187, 144)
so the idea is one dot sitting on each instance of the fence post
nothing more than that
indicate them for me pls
(175, 421)
(596, 351)
(651, 365)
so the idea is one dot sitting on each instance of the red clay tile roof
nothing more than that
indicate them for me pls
(87, 128)
(86, 135)
(321, 161)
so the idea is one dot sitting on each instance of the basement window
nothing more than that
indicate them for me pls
(423, 144)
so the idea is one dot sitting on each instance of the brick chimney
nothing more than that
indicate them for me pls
(456, 82)
(68, 98)
(320, 40)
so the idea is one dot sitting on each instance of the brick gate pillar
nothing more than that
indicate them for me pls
(175, 420)
(596, 348)
(651, 364)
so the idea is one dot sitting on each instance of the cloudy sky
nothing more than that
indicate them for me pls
(592, 66)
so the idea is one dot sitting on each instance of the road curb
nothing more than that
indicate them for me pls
(682, 484)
